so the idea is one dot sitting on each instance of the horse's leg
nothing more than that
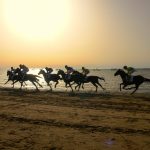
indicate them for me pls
(82, 85)
(38, 83)
(24, 83)
(136, 88)
(95, 86)
(56, 84)
(21, 85)
(35, 86)
(79, 86)
(70, 87)
(76, 86)
(120, 86)
(49, 86)
(124, 87)
(14, 83)
(7, 81)
(101, 86)
(66, 84)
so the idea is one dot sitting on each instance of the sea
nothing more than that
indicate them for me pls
(111, 82)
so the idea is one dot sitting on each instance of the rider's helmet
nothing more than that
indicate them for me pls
(83, 68)
(20, 65)
(125, 67)
(50, 69)
(66, 66)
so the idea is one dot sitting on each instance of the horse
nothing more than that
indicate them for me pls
(73, 78)
(137, 80)
(79, 79)
(92, 79)
(50, 77)
(27, 77)
(12, 78)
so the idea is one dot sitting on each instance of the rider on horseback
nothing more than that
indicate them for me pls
(49, 71)
(70, 70)
(13, 72)
(24, 69)
(85, 71)
(129, 71)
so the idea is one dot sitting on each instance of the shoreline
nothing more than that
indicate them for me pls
(68, 90)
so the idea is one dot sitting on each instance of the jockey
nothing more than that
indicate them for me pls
(24, 69)
(129, 71)
(49, 71)
(70, 70)
(85, 71)
(13, 72)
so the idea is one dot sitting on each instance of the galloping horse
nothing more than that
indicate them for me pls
(73, 78)
(92, 79)
(50, 77)
(12, 78)
(137, 80)
(79, 79)
(28, 77)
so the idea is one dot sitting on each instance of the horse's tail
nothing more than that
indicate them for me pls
(101, 78)
(146, 80)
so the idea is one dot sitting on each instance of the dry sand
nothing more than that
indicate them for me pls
(73, 121)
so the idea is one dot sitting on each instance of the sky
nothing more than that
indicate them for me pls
(91, 33)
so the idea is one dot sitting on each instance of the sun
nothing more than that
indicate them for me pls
(37, 19)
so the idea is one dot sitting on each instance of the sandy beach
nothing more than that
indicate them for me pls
(73, 121)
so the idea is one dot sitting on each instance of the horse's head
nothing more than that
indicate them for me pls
(76, 72)
(41, 72)
(9, 73)
(119, 72)
(60, 72)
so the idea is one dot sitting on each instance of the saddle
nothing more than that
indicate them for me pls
(48, 75)
(68, 77)
(129, 79)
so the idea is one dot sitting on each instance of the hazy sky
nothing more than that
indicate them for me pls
(93, 33)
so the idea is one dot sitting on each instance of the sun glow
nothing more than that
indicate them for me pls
(37, 19)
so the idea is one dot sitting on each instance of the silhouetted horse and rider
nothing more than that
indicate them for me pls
(79, 79)
(20, 75)
(13, 77)
(127, 79)
(50, 77)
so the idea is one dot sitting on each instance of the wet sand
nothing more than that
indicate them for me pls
(73, 121)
